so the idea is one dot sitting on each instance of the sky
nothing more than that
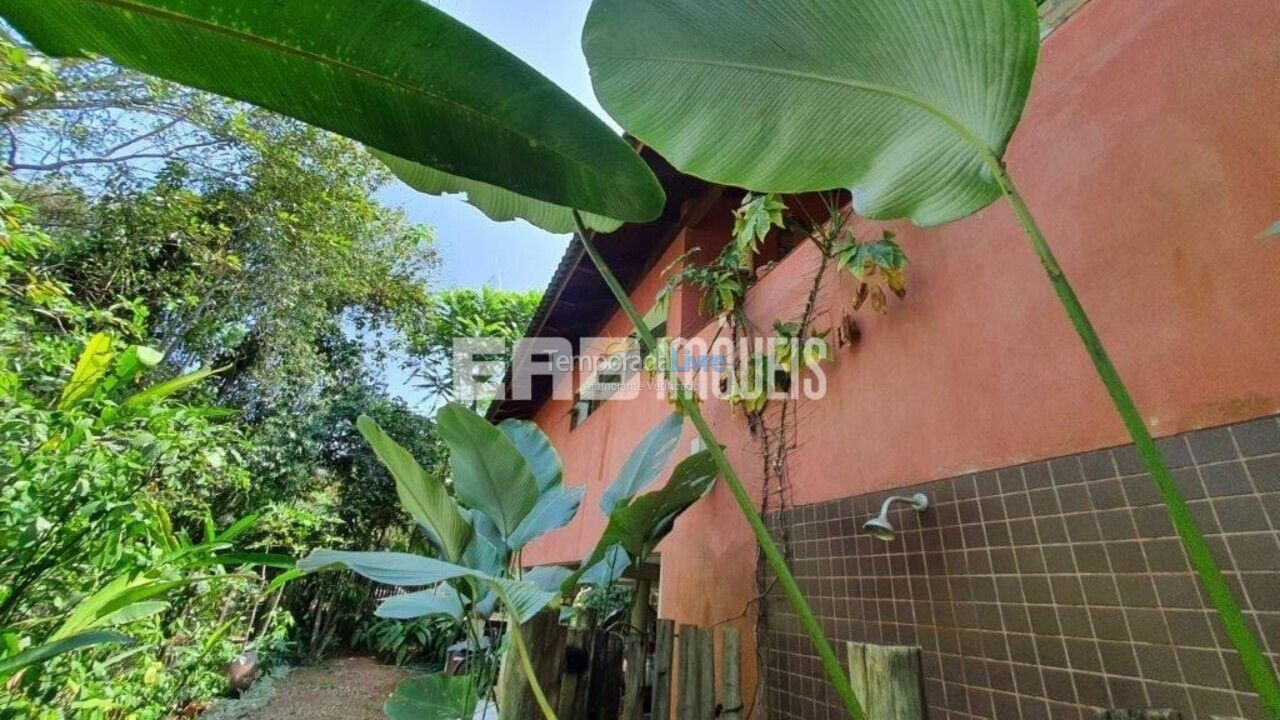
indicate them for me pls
(474, 249)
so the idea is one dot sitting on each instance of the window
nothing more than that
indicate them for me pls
(596, 389)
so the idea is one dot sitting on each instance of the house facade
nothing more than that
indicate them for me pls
(1045, 580)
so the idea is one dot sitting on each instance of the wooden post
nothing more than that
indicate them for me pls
(687, 704)
(604, 700)
(662, 670)
(706, 675)
(858, 671)
(546, 639)
(633, 700)
(887, 681)
(730, 676)
(575, 675)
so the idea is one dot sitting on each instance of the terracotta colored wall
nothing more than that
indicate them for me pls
(1151, 155)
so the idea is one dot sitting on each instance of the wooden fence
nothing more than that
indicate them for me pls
(582, 673)
(583, 676)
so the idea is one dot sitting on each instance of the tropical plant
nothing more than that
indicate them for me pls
(507, 491)
(433, 697)
(637, 523)
(464, 313)
(404, 641)
(105, 530)
(922, 138)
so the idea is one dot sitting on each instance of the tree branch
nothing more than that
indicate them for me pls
(63, 164)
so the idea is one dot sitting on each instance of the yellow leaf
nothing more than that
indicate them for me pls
(90, 369)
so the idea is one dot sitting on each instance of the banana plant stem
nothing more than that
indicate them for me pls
(830, 662)
(1259, 670)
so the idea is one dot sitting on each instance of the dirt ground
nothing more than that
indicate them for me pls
(347, 688)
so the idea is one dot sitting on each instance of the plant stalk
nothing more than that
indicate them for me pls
(830, 662)
(1259, 670)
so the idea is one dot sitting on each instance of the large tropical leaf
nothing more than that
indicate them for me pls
(537, 450)
(440, 600)
(39, 654)
(548, 577)
(389, 568)
(495, 202)
(433, 697)
(611, 565)
(398, 75)
(907, 103)
(487, 551)
(642, 523)
(489, 473)
(645, 462)
(89, 371)
(422, 495)
(555, 508)
(122, 592)
(637, 526)
(160, 391)
(521, 599)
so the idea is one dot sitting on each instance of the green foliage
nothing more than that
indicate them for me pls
(251, 244)
(489, 473)
(496, 203)
(723, 282)
(423, 638)
(862, 106)
(753, 220)
(433, 697)
(90, 555)
(422, 495)
(493, 527)
(465, 313)
(877, 265)
(642, 466)
(639, 524)
(441, 94)
(514, 455)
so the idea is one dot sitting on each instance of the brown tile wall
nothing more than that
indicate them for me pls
(1046, 590)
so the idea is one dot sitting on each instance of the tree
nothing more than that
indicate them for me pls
(487, 312)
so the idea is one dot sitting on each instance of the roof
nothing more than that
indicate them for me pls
(577, 302)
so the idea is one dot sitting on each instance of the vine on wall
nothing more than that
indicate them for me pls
(758, 381)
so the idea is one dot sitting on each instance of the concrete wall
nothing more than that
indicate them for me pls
(1150, 152)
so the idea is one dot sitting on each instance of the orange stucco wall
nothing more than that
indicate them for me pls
(1150, 152)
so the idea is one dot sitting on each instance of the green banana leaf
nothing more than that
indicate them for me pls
(158, 392)
(648, 459)
(433, 697)
(537, 450)
(555, 508)
(642, 523)
(521, 599)
(907, 103)
(440, 600)
(496, 203)
(637, 526)
(397, 75)
(36, 655)
(489, 474)
(122, 592)
(421, 494)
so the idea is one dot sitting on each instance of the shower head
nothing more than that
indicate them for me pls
(880, 527)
